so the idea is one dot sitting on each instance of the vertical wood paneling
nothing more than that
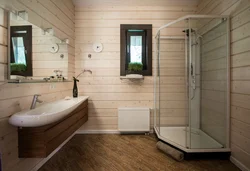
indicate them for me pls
(240, 94)
(17, 97)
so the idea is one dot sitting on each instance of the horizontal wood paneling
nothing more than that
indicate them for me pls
(240, 155)
(103, 8)
(240, 72)
(17, 97)
(147, 3)
(213, 68)
(172, 97)
(149, 15)
(241, 114)
(107, 92)
(3, 44)
(47, 14)
(3, 35)
(241, 60)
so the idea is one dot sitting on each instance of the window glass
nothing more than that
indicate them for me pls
(136, 49)
(19, 50)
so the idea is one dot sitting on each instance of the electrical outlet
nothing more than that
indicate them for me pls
(52, 86)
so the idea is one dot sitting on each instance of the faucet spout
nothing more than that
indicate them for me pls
(35, 100)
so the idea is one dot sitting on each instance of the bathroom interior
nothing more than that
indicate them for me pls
(124, 85)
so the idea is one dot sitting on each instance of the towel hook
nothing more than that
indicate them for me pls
(87, 70)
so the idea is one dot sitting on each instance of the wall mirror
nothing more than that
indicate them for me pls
(34, 54)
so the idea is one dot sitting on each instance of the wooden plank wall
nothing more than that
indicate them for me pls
(51, 14)
(107, 92)
(214, 80)
(16, 97)
(45, 62)
(240, 72)
(3, 44)
(173, 97)
(136, 3)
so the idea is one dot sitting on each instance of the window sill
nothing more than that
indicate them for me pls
(132, 76)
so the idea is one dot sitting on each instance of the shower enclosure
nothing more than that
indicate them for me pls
(191, 86)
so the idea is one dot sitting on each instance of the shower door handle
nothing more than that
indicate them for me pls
(193, 86)
(193, 77)
(193, 82)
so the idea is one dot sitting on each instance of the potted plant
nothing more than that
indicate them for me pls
(17, 69)
(135, 68)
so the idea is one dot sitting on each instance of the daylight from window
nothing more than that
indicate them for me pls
(19, 50)
(136, 49)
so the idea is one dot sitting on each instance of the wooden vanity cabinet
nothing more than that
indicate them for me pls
(39, 142)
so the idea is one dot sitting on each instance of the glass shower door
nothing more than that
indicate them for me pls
(207, 83)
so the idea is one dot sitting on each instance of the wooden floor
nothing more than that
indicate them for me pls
(123, 153)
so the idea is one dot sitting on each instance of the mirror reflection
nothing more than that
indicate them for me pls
(21, 50)
(35, 53)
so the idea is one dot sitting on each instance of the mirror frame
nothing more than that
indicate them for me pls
(8, 50)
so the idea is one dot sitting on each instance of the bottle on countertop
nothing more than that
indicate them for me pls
(75, 90)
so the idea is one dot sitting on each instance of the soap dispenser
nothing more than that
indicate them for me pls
(75, 90)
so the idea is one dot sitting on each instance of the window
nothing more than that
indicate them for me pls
(21, 50)
(136, 47)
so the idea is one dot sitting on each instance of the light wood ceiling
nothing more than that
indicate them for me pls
(135, 2)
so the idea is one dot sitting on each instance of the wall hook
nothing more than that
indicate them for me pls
(87, 70)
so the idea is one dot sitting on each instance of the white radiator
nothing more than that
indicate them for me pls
(134, 119)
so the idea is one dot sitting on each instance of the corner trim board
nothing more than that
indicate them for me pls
(239, 164)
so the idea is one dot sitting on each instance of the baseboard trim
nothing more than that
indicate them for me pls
(239, 164)
(102, 132)
(97, 132)
(41, 163)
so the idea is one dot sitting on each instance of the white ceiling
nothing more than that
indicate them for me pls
(134, 2)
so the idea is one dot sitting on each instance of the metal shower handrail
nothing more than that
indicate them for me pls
(189, 17)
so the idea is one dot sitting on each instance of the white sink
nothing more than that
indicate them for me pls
(47, 113)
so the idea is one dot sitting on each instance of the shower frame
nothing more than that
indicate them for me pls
(196, 150)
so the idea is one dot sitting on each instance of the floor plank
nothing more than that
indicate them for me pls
(123, 153)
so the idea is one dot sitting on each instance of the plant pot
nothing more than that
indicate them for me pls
(21, 73)
(134, 72)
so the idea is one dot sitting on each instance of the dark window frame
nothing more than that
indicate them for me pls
(27, 37)
(147, 49)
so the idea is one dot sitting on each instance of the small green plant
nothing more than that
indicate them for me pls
(135, 66)
(17, 67)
